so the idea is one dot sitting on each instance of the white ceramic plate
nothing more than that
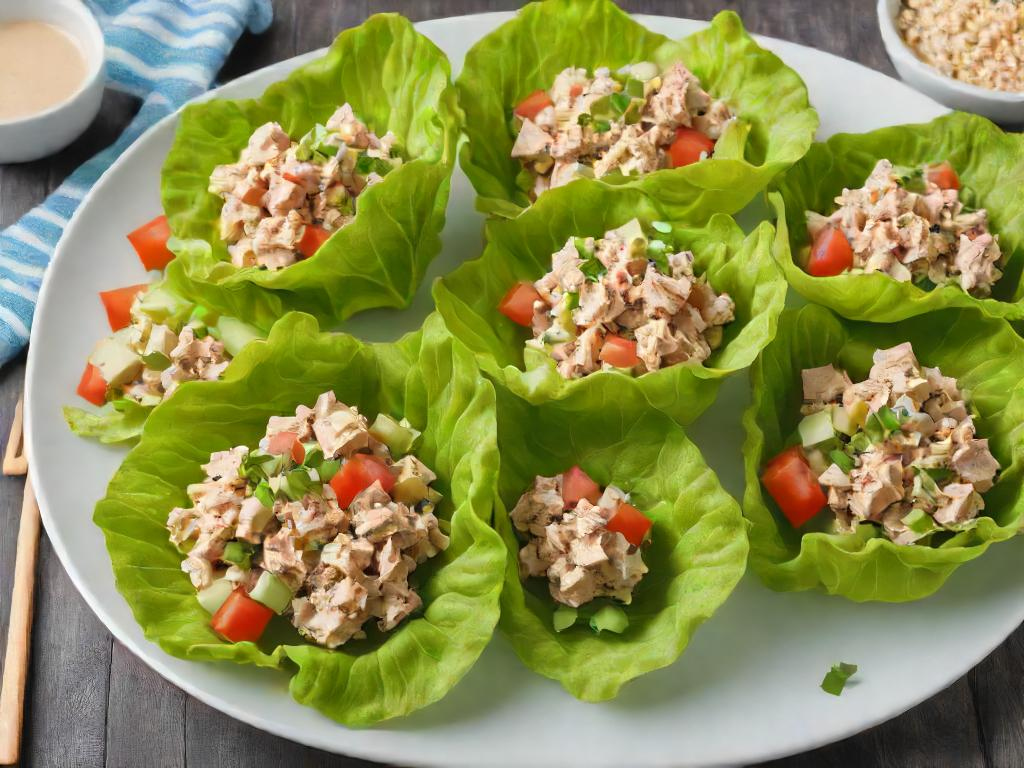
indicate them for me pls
(745, 690)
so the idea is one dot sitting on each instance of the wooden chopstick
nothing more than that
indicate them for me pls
(15, 461)
(19, 629)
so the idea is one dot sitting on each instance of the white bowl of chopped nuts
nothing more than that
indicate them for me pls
(966, 54)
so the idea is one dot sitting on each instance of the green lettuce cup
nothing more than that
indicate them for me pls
(776, 123)
(990, 164)
(396, 80)
(521, 248)
(696, 552)
(428, 378)
(987, 359)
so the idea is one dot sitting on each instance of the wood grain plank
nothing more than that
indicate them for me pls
(145, 715)
(999, 702)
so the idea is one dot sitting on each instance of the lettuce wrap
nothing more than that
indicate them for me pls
(776, 123)
(396, 80)
(990, 164)
(987, 359)
(521, 249)
(428, 378)
(123, 420)
(696, 552)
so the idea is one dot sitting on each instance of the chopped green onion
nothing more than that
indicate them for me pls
(157, 361)
(918, 521)
(572, 300)
(564, 618)
(634, 88)
(620, 102)
(298, 483)
(888, 419)
(939, 474)
(842, 460)
(238, 553)
(610, 618)
(366, 165)
(264, 494)
(328, 469)
(592, 268)
(836, 678)
(860, 442)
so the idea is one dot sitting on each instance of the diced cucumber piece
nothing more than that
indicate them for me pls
(610, 618)
(564, 618)
(328, 468)
(213, 597)
(160, 305)
(272, 592)
(395, 435)
(849, 420)
(235, 334)
(816, 428)
(409, 490)
(237, 553)
(644, 70)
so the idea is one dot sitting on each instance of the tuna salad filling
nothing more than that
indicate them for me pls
(622, 301)
(284, 198)
(897, 450)
(634, 121)
(324, 522)
(910, 224)
(152, 352)
(583, 541)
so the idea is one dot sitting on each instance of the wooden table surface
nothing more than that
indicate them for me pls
(91, 703)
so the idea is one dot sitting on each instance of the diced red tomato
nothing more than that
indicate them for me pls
(241, 618)
(619, 352)
(831, 254)
(517, 305)
(576, 485)
(790, 481)
(118, 304)
(254, 195)
(92, 387)
(575, 89)
(688, 146)
(150, 242)
(359, 473)
(943, 175)
(532, 104)
(631, 523)
(293, 178)
(287, 443)
(312, 238)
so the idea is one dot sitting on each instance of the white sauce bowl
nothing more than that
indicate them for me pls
(1004, 107)
(42, 134)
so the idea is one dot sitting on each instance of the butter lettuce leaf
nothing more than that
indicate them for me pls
(696, 552)
(983, 354)
(990, 164)
(428, 378)
(396, 80)
(521, 248)
(776, 123)
(120, 424)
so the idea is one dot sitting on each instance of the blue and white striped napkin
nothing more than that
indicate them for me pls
(163, 51)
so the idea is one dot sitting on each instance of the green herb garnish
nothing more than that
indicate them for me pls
(836, 678)
(842, 460)
(367, 165)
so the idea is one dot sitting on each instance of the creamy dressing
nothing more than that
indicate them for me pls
(40, 66)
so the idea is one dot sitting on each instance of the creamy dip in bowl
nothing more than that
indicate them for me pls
(51, 76)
